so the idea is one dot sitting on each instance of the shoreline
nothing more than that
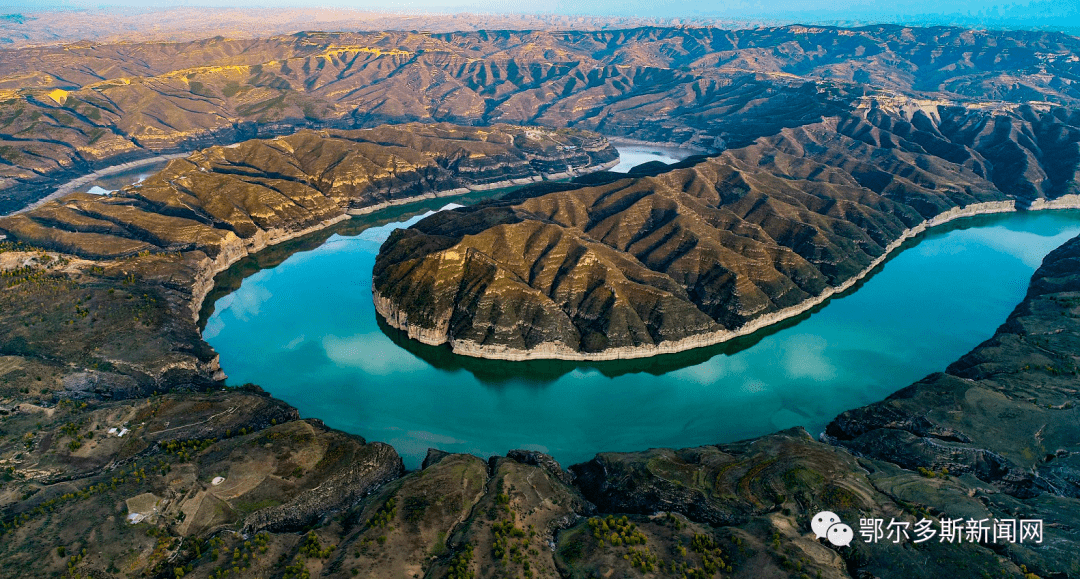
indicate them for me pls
(68, 187)
(204, 282)
(393, 316)
(629, 142)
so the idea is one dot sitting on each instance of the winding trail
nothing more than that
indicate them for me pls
(229, 411)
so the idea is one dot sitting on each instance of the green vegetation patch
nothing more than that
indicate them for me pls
(231, 89)
(275, 103)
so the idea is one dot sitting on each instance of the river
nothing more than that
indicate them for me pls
(303, 327)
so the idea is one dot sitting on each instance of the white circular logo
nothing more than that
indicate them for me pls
(840, 535)
(822, 521)
(827, 525)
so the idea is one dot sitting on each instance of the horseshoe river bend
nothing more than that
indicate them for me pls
(298, 320)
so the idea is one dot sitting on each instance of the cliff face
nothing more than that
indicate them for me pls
(715, 249)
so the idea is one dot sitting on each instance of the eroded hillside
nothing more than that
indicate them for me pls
(143, 256)
(703, 253)
(67, 110)
(122, 454)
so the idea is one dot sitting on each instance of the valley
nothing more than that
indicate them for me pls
(332, 357)
(810, 167)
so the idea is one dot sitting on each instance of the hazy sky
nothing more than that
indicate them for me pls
(1053, 14)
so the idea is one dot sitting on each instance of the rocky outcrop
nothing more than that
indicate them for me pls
(702, 483)
(361, 469)
(770, 488)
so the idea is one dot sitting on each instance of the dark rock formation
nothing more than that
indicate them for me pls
(360, 469)
(701, 483)
(542, 460)
(433, 457)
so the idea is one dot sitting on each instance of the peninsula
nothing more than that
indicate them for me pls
(711, 249)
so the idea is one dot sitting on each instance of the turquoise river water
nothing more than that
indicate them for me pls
(298, 320)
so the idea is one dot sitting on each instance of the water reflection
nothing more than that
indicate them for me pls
(801, 355)
(316, 342)
(631, 156)
(230, 280)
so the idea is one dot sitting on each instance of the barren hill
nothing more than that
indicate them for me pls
(707, 252)
(67, 110)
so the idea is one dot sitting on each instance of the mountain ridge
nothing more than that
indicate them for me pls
(66, 111)
(704, 253)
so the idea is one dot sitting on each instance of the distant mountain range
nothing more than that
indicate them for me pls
(32, 22)
(65, 111)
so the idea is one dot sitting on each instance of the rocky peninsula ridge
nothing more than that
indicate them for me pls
(396, 318)
(707, 251)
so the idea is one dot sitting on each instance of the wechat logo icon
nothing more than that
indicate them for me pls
(827, 525)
